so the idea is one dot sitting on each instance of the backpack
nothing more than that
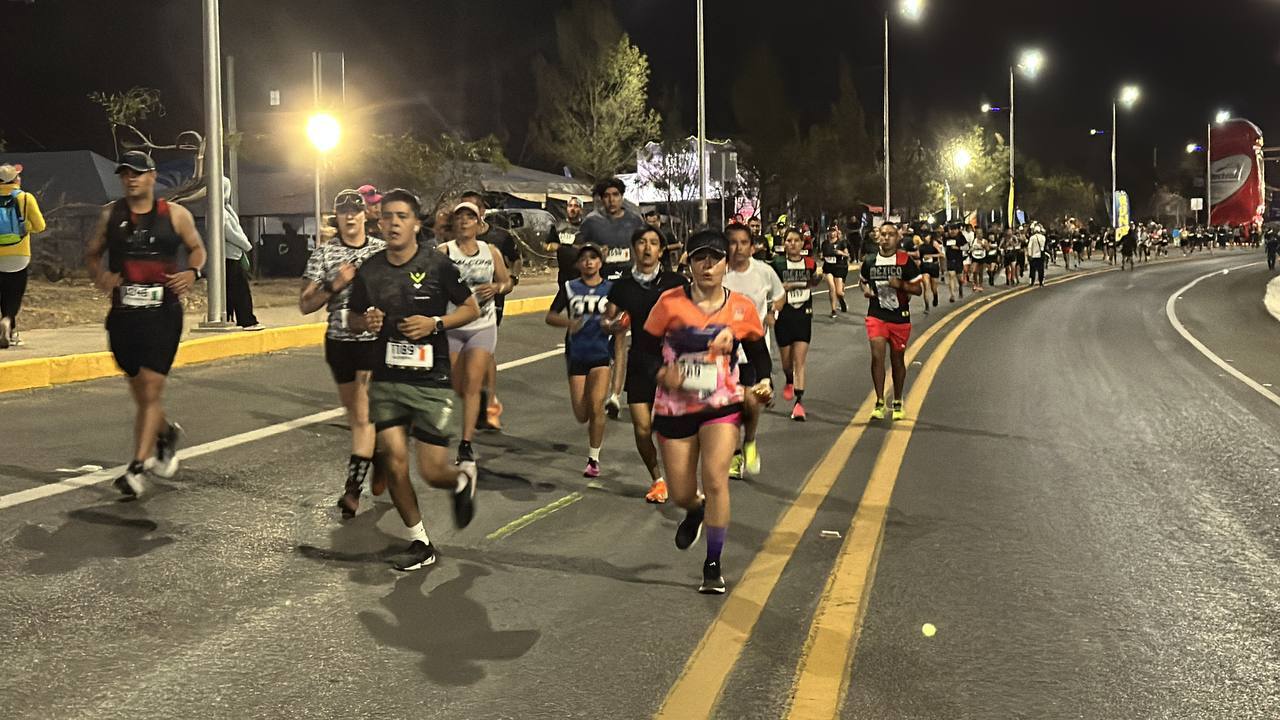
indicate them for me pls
(13, 227)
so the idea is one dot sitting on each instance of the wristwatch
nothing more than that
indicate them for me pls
(199, 275)
(439, 325)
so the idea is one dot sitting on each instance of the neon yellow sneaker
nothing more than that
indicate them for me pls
(878, 412)
(898, 413)
(735, 467)
(752, 457)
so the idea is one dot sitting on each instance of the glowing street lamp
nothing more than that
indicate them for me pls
(1129, 95)
(961, 158)
(1031, 62)
(1194, 147)
(324, 132)
(912, 10)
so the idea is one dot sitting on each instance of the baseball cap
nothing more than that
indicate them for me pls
(370, 194)
(707, 241)
(652, 211)
(349, 198)
(137, 161)
(475, 209)
(588, 247)
(9, 173)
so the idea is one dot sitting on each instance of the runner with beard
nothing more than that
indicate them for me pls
(794, 328)
(410, 297)
(631, 299)
(758, 281)
(578, 307)
(698, 405)
(889, 279)
(351, 356)
(140, 236)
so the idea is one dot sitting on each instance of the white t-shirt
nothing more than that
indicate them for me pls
(1035, 246)
(475, 270)
(762, 285)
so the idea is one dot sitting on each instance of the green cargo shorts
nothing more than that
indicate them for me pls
(427, 411)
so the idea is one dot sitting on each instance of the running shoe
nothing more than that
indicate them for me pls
(788, 392)
(592, 470)
(165, 463)
(493, 414)
(751, 454)
(712, 581)
(935, 299)
(735, 466)
(6, 326)
(844, 307)
(833, 314)
(878, 412)
(256, 327)
(14, 338)
(417, 555)
(133, 482)
(898, 413)
(797, 413)
(349, 501)
(690, 528)
(612, 407)
(657, 492)
(466, 453)
(464, 499)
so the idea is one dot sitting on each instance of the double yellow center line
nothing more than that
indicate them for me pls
(821, 678)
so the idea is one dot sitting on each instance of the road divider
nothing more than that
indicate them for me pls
(35, 373)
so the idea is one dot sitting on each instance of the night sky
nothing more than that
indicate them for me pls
(431, 64)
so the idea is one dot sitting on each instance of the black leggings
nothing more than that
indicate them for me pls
(13, 285)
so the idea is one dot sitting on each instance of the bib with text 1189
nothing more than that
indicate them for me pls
(409, 356)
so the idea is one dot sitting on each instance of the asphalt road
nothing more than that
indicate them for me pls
(1085, 510)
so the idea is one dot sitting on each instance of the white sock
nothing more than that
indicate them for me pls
(660, 479)
(462, 482)
(417, 532)
(594, 454)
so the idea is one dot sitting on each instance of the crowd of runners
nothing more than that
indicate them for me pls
(681, 330)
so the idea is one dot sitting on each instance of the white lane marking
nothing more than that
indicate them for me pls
(101, 476)
(1170, 310)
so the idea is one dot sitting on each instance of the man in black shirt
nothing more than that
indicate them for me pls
(403, 294)
(890, 278)
(633, 296)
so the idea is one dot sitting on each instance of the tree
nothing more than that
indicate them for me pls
(839, 158)
(593, 112)
(768, 124)
(127, 109)
(441, 168)
(1061, 195)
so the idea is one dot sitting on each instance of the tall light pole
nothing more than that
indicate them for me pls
(215, 269)
(911, 10)
(324, 132)
(702, 124)
(1220, 117)
(1030, 63)
(1128, 96)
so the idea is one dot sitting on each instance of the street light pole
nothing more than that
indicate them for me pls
(1011, 218)
(702, 124)
(1208, 173)
(1114, 210)
(886, 117)
(215, 229)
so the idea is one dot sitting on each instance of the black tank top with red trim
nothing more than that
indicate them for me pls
(143, 249)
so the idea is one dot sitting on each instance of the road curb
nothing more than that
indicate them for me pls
(36, 373)
(1271, 299)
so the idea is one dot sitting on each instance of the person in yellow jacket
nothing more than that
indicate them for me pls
(20, 217)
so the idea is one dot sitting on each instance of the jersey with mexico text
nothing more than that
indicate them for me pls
(889, 304)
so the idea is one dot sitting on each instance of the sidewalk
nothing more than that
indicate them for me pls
(74, 354)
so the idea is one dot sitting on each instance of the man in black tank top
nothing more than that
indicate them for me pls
(141, 237)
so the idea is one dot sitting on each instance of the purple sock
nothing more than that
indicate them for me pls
(715, 542)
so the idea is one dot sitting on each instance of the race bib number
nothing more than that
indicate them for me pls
(618, 255)
(830, 260)
(799, 296)
(951, 243)
(409, 356)
(886, 296)
(141, 296)
(698, 376)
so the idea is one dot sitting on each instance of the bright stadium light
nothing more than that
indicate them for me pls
(324, 132)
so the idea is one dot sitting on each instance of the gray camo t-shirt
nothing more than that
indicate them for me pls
(323, 266)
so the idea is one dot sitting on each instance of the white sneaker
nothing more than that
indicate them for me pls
(612, 407)
(254, 328)
(5, 325)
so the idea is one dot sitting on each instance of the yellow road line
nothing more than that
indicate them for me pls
(696, 692)
(536, 515)
(821, 678)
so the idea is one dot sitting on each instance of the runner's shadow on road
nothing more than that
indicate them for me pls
(452, 632)
(88, 534)
(45, 477)
(596, 567)
(233, 388)
(928, 427)
(360, 546)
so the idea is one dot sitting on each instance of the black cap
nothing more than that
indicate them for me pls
(588, 247)
(707, 241)
(137, 161)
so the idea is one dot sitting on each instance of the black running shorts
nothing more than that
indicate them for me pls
(347, 357)
(145, 338)
(641, 381)
(794, 325)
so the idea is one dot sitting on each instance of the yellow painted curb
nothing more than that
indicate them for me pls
(47, 372)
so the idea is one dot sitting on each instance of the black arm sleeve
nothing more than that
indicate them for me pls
(758, 355)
